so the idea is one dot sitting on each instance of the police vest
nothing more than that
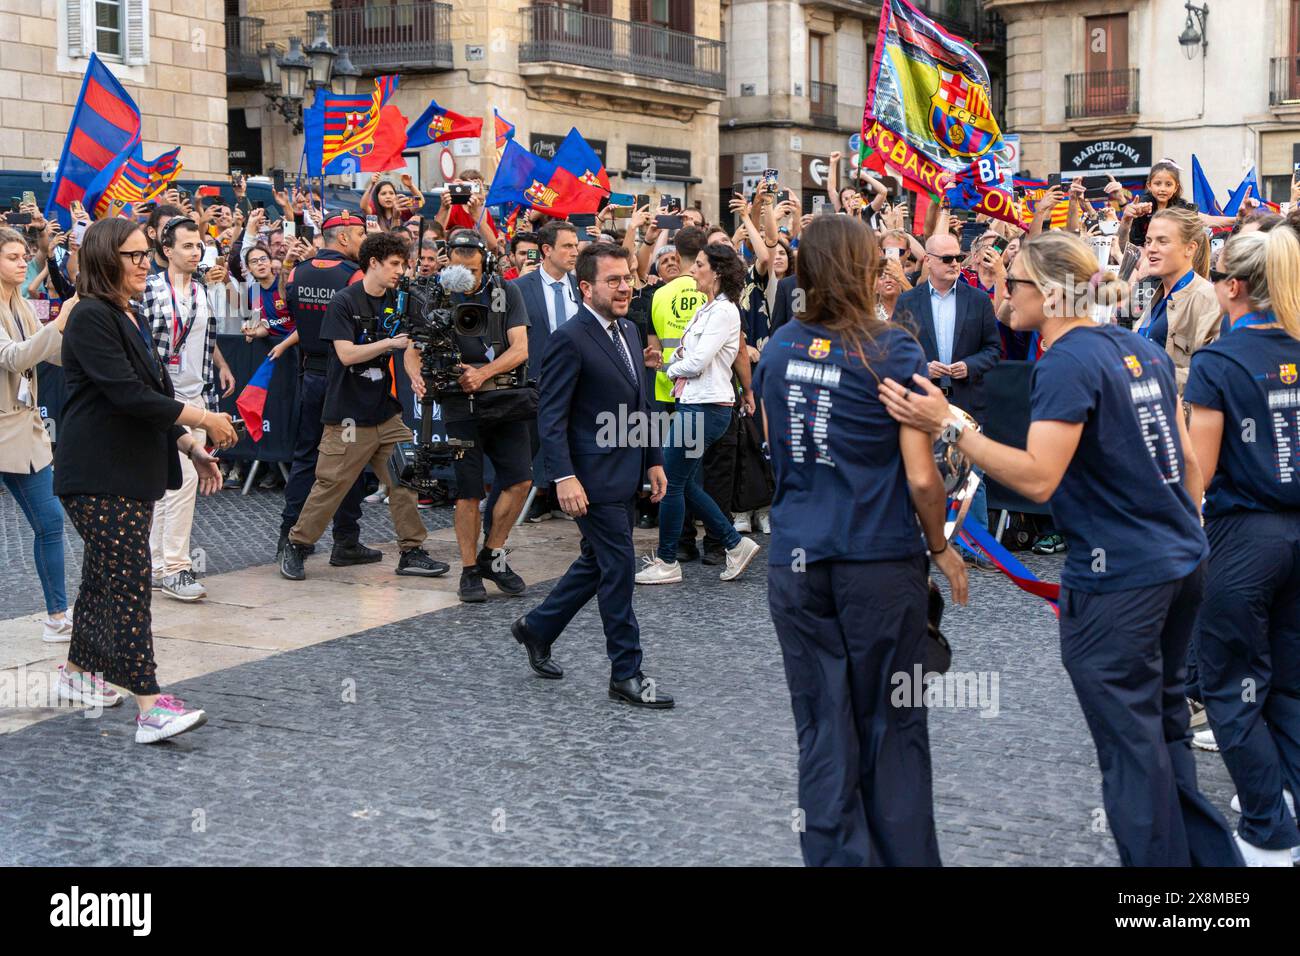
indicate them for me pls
(671, 310)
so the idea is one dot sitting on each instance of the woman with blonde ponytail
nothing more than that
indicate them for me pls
(1107, 449)
(1183, 315)
(1244, 391)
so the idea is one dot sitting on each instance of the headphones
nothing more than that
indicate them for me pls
(470, 239)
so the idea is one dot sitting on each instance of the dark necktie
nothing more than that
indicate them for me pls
(618, 347)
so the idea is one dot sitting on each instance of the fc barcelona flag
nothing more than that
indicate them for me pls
(251, 402)
(531, 181)
(438, 124)
(352, 133)
(139, 181)
(576, 158)
(931, 89)
(103, 135)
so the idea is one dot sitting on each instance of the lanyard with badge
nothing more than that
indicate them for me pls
(177, 358)
(26, 394)
(1252, 318)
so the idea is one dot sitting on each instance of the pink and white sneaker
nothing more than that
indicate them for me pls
(86, 689)
(166, 718)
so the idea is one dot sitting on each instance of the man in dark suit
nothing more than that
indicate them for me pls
(959, 333)
(591, 384)
(551, 298)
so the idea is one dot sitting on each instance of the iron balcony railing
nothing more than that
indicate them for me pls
(407, 36)
(1101, 93)
(1284, 80)
(563, 35)
(821, 104)
(243, 44)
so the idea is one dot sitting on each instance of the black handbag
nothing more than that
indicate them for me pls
(938, 652)
(501, 405)
(755, 483)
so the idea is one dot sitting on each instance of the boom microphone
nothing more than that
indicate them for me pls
(456, 279)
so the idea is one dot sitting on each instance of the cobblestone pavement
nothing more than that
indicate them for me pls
(452, 753)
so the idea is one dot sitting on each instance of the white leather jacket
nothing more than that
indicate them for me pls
(705, 356)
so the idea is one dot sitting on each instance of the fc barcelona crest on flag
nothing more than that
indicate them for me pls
(960, 117)
(1288, 373)
(439, 125)
(541, 195)
(590, 179)
(819, 349)
(1131, 362)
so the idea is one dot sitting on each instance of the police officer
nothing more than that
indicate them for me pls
(1244, 390)
(310, 288)
(1106, 448)
(847, 574)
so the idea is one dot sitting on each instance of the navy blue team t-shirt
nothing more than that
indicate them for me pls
(841, 491)
(1121, 505)
(1251, 375)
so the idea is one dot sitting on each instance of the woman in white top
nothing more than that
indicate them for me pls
(25, 454)
(701, 374)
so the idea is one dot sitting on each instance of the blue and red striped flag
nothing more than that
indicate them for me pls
(102, 137)
(251, 402)
(340, 130)
(138, 181)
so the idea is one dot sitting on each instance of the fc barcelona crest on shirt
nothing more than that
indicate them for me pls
(819, 349)
(1287, 373)
(1133, 365)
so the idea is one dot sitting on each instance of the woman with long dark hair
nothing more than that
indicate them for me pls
(701, 375)
(847, 571)
(1245, 404)
(1107, 448)
(117, 453)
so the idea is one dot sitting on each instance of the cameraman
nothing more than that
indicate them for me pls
(363, 421)
(505, 443)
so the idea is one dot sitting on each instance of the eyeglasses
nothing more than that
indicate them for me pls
(1013, 281)
(946, 260)
(259, 261)
(1217, 276)
(615, 282)
(138, 258)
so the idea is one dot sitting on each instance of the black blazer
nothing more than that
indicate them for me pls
(534, 291)
(117, 434)
(975, 339)
(584, 384)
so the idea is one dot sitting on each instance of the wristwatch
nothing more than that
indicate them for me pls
(953, 429)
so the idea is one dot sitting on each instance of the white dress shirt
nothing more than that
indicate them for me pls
(548, 292)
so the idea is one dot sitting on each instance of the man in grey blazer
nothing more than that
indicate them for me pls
(551, 299)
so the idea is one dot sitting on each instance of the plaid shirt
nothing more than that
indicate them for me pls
(155, 307)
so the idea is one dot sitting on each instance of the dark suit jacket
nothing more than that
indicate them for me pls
(975, 339)
(783, 306)
(117, 434)
(534, 291)
(583, 383)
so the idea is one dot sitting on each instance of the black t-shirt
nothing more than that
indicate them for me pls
(479, 350)
(362, 393)
(1137, 233)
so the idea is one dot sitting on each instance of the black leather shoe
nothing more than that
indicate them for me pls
(284, 539)
(344, 555)
(471, 590)
(714, 556)
(687, 552)
(639, 691)
(539, 655)
(495, 569)
(291, 562)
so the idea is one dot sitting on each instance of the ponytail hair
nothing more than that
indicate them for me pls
(1282, 272)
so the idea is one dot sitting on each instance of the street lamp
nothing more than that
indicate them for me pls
(346, 76)
(294, 70)
(322, 55)
(1194, 33)
(270, 61)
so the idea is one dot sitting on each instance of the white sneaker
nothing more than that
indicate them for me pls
(1204, 740)
(763, 517)
(183, 586)
(376, 497)
(655, 570)
(57, 632)
(87, 689)
(741, 523)
(166, 718)
(738, 558)
(1258, 856)
(1196, 713)
(1286, 795)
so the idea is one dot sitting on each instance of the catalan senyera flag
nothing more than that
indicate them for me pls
(929, 89)
(340, 129)
(103, 135)
(139, 181)
(437, 124)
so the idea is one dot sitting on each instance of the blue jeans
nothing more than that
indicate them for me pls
(703, 425)
(979, 508)
(35, 496)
